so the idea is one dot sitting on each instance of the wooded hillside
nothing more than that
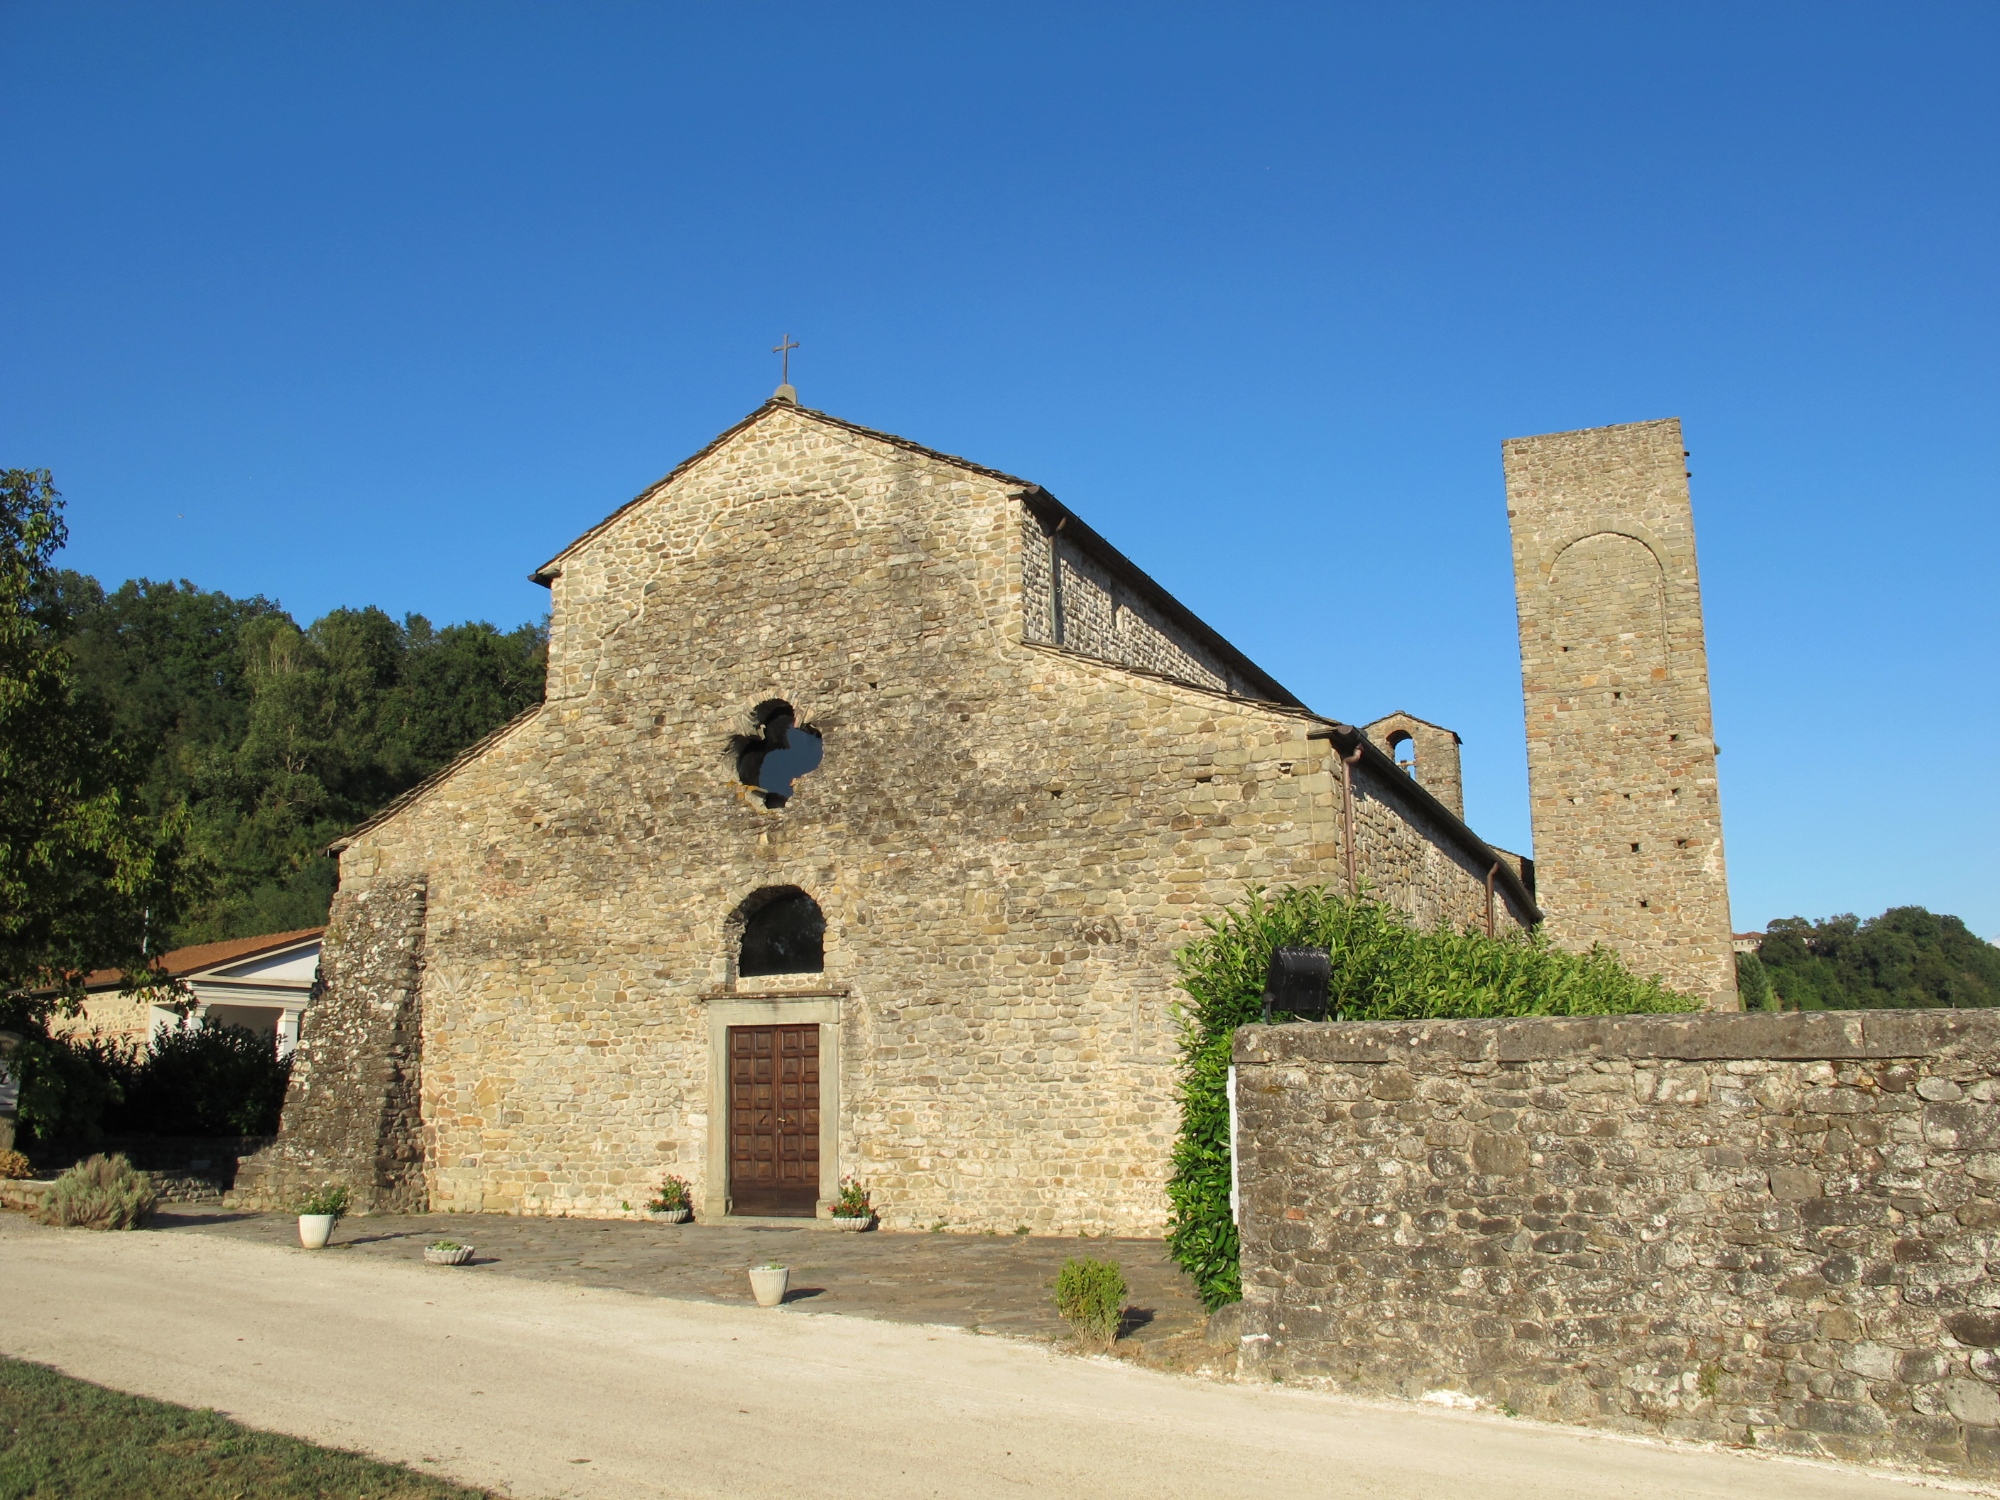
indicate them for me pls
(1906, 957)
(278, 738)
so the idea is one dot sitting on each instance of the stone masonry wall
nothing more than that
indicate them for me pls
(1623, 794)
(1774, 1229)
(1008, 841)
(352, 1114)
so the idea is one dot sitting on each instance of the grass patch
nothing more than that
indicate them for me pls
(67, 1438)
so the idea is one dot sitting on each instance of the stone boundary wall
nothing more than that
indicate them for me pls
(1770, 1229)
(184, 1168)
(352, 1113)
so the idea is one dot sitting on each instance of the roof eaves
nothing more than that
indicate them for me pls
(1289, 709)
(546, 573)
(1057, 516)
(178, 963)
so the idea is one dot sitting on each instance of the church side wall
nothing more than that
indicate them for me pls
(1071, 600)
(1008, 844)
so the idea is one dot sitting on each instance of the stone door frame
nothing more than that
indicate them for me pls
(821, 1007)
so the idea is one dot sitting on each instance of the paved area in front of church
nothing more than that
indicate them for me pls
(989, 1283)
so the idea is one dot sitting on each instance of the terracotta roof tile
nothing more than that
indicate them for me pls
(192, 960)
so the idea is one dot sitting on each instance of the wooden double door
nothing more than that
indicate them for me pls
(774, 1120)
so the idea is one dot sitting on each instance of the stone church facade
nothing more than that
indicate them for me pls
(872, 795)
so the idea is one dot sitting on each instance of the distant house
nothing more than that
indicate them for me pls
(258, 983)
(1745, 942)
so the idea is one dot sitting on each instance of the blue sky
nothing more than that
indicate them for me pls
(383, 304)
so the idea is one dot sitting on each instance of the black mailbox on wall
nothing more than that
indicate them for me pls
(1296, 983)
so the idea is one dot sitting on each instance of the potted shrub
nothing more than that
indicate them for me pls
(852, 1210)
(673, 1203)
(321, 1210)
(447, 1253)
(768, 1283)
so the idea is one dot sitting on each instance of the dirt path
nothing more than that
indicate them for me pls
(540, 1389)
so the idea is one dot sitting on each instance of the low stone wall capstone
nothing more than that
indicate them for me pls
(1769, 1229)
(353, 1112)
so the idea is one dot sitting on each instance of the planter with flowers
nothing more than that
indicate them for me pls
(852, 1210)
(673, 1203)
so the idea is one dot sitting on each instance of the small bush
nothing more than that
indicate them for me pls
(199, 1081)
(65, 1089)
(1090, 1294)
(13, 1166)
(325, 1200)
(102, 1192)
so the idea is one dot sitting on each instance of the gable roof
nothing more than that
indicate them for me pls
(182, 962)
(1051, 511)
(1058, 517)
(1404, 713)
(546, 573)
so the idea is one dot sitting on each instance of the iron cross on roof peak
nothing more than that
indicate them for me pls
(783, 348)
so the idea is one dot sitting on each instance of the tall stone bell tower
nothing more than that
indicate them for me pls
(1614, 667)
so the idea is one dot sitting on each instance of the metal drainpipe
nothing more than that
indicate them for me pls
(1347, 763)
(1489, 898)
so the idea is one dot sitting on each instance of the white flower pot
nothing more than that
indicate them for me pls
(456, 1257)
(314, 1230)
(670, 1215)
(843, 1221)
(769, 1283)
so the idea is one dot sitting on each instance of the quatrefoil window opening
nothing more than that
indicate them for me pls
(779, 753)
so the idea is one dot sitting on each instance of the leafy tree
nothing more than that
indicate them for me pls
(1753, 984)
(173, 764)
(85, 870)
(1904, 959)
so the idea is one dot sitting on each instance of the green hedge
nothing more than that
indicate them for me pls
(1384, 968)
(204, 1080)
